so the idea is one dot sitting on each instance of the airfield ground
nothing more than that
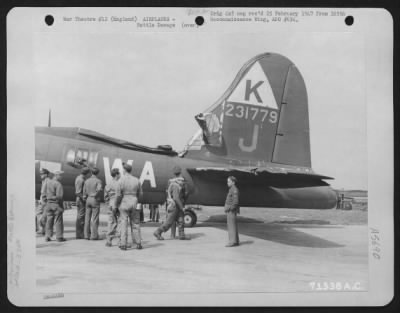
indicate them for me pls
(282, 250)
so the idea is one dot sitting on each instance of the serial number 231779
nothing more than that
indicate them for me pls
(252, 113)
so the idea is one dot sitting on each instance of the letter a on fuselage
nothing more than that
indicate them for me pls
(147, 172)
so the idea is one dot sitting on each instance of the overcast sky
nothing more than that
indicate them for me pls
(147, 87)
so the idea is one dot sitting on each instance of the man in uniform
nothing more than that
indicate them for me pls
(91, 194)
(232, 209)
(128, 192)
(41, 208)
(154, 212)
(141, 210)
(110, 192)
(80, 203)
(176, 194)
(55, 207)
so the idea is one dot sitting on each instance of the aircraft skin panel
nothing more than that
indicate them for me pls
(253, 173)
(254, 88)
(38, 183)
(275, 69)
(245, 138)
(153, 169)
(204, 188)
(293, 138)
(41, 150)
(263, 195)
(95, 137)
(251, 111)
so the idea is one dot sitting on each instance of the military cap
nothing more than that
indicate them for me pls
(127, 167)
(233, 178)
(44, 171)
(85, 170)
(58, 172)
(114, 172)
(95, 170)
(177, 170)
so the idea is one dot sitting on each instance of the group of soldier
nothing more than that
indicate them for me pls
(121, 196)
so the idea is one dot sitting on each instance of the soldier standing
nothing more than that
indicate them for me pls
(55, 208)
(141, 210)
(91, 194)
(154, 212)
(232, 209)
(110, 192)
(41, 208)
(176, 197)
(128, 192)
(80, 203)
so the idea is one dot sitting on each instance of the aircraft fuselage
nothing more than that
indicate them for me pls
(154, 170)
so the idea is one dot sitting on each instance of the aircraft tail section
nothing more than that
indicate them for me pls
(261, 118)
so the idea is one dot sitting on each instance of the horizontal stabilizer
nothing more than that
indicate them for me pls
(260, 171)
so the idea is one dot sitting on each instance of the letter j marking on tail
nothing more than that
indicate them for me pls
(254, 140)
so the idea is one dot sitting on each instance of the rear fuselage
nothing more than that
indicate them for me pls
(154, 170)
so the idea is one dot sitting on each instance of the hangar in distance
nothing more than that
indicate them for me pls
(258, 131)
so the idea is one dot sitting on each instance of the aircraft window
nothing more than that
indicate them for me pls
(85, 154)
(81, 155)
(71, 155)
(92, 158)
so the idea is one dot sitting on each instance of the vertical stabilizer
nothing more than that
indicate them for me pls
(262, 117)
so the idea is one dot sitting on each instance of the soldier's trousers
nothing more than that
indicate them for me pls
(154, 213)
(54, 216)
(141, 216)
(175, 216)
(80, 218)
(130, 220)
(41, 217)
(92, 219)
(173, 228)
(112, 225)
(232, 228)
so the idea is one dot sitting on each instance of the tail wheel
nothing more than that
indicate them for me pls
(190, 218)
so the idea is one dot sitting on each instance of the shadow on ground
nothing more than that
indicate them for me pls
(284, 233)
(281, 231)
(104, 223)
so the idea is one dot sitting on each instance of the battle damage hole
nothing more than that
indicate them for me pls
(199, 20)
(49, 19)
(349, 20)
